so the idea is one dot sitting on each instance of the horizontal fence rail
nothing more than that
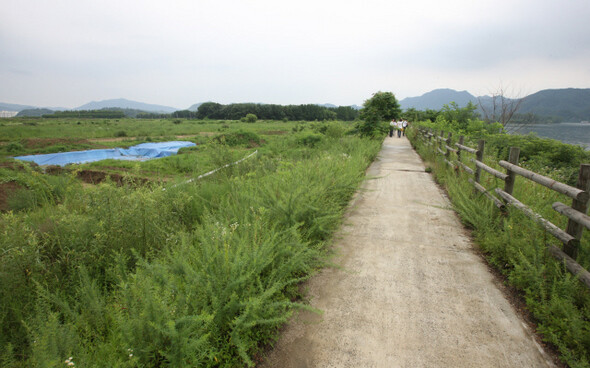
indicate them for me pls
(578, 220)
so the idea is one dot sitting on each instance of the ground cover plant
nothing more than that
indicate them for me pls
(514, 244)
(173, 273)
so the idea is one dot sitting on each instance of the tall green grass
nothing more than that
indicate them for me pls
(199, 274)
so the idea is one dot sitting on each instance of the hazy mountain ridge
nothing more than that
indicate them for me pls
(567, 104)
(570, 104)
(126, 104)
(435, 99)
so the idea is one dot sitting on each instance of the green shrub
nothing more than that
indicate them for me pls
(14, 147)
(310, 139)
(251, 118)
(240, 138)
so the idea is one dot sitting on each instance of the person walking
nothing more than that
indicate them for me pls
(399, 129)
(391, 127)
(404, 126)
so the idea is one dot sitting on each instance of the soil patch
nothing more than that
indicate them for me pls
(35, 143)
(97, 177)
(275, 132)
(6, 191)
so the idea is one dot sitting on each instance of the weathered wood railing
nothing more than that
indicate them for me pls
(576, 213)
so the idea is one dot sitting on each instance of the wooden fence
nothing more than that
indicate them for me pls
(454, 156)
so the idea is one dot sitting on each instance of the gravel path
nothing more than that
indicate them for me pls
(408, 290)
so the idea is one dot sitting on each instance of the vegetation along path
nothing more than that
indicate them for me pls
(409, 289)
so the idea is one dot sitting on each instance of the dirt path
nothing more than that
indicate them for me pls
(410, 291)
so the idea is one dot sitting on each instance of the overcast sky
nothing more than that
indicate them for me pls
(68, 52)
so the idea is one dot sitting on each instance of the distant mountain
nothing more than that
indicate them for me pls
(14, 107)
(126, 104)
(34, 112)
(569, 104)
(566, 104)
(437, 98)
(195, 107)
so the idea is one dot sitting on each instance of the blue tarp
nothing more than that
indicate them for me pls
(141, 152)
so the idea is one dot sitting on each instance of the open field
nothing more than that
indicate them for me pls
(147, 270)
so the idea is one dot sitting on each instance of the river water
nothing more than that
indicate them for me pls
(572, 133)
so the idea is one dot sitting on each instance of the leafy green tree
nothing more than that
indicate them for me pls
(383, 106)
(459, 116)
(209, 110)
(251, 118)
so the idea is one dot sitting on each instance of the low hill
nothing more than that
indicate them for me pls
(567, 104)
(570, 104)
(126, 104)
(437, 98)
(34, 112)
(14, 107)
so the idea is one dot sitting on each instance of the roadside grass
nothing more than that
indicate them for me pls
(516, 245)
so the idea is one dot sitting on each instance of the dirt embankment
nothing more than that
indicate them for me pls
(409, 289)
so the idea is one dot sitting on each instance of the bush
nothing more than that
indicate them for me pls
(251, 118)
(240, 138)
(121, 133)
(310, 139)
(14, 147)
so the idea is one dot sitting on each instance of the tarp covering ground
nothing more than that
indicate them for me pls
(140, 152)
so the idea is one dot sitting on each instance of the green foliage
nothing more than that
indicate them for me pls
(199, 274)
(379, 108)
(309, 112)
(251, 118)
(240, 138)
(14, 148)
(309, 139)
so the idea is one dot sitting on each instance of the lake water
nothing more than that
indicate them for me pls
(572, 133)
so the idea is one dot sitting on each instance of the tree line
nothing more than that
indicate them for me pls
(309, 112)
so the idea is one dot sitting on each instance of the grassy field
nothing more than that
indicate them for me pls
(146, 270)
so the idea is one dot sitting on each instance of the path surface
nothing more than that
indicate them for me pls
(410, 290)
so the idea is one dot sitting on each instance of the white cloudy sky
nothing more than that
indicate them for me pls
(179, 52)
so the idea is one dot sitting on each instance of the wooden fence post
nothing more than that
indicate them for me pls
(513, 159)
(461, 142)
(573, 228)
(448, 143)
(479, 157)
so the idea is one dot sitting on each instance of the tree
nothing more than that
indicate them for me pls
(383, 106)
(460, 116)
(499, 108)
(251, 118)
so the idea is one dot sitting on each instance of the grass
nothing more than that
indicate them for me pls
(516, 245)
(199, 274)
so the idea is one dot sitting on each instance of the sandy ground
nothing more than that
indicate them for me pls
(408, 289)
